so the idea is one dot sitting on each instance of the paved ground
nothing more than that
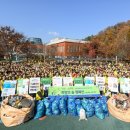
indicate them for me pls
(71, 123)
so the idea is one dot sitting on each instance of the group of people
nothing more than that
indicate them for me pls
(50, 69)
(30, 69)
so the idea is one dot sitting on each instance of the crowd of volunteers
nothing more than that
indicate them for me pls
(73, 69)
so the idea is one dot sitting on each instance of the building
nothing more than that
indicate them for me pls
(65, 48)
(35, 40)
(36, 46)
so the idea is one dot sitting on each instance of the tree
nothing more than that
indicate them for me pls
(113, 41)
(122, 43)
(27, 49)
(88, 38)
(10, 41)
(91, 48)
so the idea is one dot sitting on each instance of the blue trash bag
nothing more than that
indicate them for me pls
(98, 108)
(92, 101)
(104, 107)
(48, 112)
(56, 112)
(89, 107)
(64, 112)
(106, 114)
(52, 99)
(40, 109)
(72, 108)
(100, 115)
(90, 113)
(55, 107)
(78, 107)
(71, 100)
(47, 103)
(84, 103)
(102, 100)
(63, 106)
(99, 111)
(78, 102)
(55, 104)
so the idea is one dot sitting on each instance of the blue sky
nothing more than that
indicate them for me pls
(74, 19)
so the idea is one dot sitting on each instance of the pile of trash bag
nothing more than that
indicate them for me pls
(121, 101)
(19, 101)
(72, 106)
(17, 109)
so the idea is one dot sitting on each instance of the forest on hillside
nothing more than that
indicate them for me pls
(112, 41)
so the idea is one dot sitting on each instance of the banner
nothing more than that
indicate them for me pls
(22, 86)
(100, 82)
(113, 84)
(57, 81)
(67, 81)
(73, 90)
(9, 87)
(34, 85)
(78, 81)
(125, 85)
(46, 83)
(89, 81)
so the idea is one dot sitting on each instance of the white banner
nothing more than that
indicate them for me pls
(89, 81)
(9, 88)
(34, 85)
(22, 86)
(57, 81)
(113, 84)
(100, 82)
(67, 81)
(125, 85)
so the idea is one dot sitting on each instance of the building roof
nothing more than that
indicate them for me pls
(59, 40)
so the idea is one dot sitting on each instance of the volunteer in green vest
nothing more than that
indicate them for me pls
(40, 93)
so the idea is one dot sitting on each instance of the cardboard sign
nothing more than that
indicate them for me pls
(113, 84)
(22, 86)
(34, 85)
(78, 81)
(57, 81)
(67, 81)
(125, 85)
(73, 90)
(9, 88)
(46, 83)
(89, 81)
(100, 82)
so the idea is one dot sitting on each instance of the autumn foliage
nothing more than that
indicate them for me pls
(111, 42)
